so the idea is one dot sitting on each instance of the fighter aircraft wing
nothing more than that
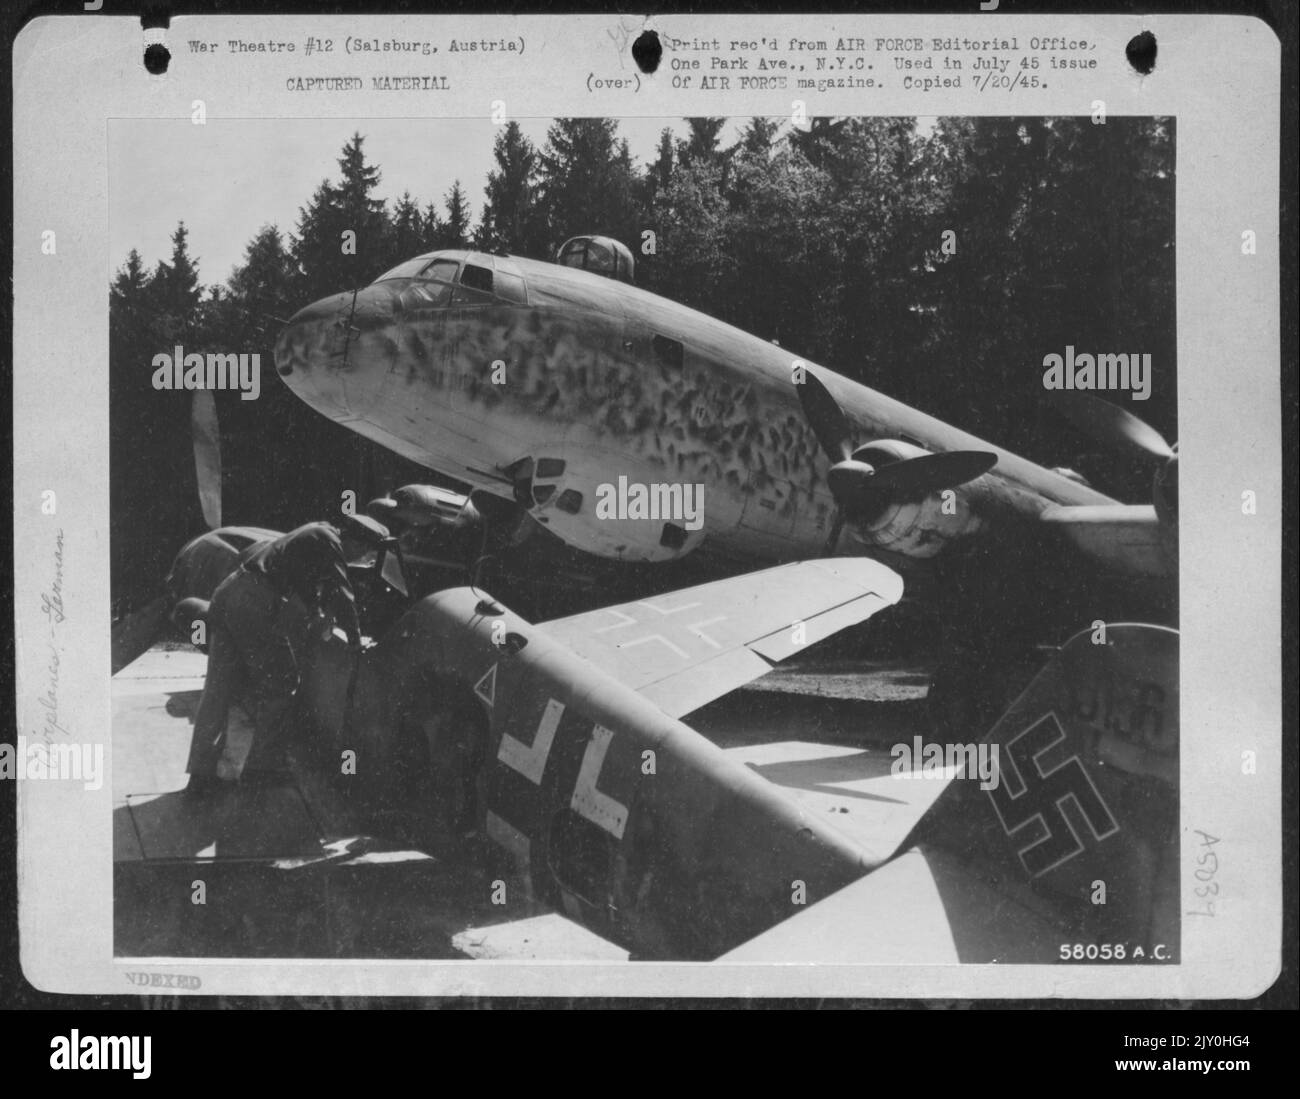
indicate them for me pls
(687, 648)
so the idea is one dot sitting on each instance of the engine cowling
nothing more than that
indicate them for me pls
(920, 527)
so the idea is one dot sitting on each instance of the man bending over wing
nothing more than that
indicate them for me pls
(256, 616)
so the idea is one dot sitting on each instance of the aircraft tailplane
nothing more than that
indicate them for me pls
(1070, 856)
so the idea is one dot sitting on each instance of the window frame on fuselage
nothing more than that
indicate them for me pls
(459, 293)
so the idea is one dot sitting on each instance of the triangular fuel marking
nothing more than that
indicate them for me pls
(486, 688)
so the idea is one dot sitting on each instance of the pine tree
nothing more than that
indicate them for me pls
(173, 292)
(360, 211)
(431, 227)
(662, 172)
(695, 227)
(701, 143)
(151, 497)
(408, 238)
(128, 292)
(266, 275)
(342, 237)
(262, 288)
(758, 137)
(133, 317)
(456, 227)
(180, 288)
(588, 183)
(130, 278)
(817, 143)
(316, 245)
(511, 221)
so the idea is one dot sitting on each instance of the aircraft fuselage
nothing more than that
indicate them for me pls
(610, 411)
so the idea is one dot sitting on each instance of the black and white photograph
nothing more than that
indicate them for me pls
(600, 555)
(723, 512)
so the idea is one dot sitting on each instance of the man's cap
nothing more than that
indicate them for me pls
(364, 529)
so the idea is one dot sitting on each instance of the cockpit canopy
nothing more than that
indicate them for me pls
(459, 277)
(599, 255)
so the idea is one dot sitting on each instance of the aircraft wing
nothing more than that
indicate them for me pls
(1129, 533)
(687, 648)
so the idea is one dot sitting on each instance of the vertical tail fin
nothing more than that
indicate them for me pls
(1083, 819)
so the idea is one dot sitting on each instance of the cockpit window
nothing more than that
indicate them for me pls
(424, 268)
(441, 282)
(426, 295)
(407, 270)
(475, 286)
(511, 288)
(476, 278)
(431, 285)
(444, 269)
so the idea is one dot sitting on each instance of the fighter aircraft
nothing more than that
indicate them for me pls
(639, 430)
(563, 743)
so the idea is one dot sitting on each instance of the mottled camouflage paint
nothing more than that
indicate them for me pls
(701, 422)
(583, 374)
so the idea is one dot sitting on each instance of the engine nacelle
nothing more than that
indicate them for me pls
(916, 528)
(423, 506)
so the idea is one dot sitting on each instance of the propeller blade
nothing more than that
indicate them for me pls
(1110, 424)
(207, 455)
(859, 487)
(929, 473)
(825, 417)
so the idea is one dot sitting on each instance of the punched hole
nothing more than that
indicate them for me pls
(646, 51)
(1141, 52)
(156, 58)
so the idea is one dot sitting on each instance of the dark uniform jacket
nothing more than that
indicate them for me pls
(309, 563)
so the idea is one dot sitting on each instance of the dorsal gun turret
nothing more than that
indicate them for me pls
(599, 255)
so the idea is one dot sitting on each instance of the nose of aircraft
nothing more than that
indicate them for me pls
(317, 352)
(312, 334)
